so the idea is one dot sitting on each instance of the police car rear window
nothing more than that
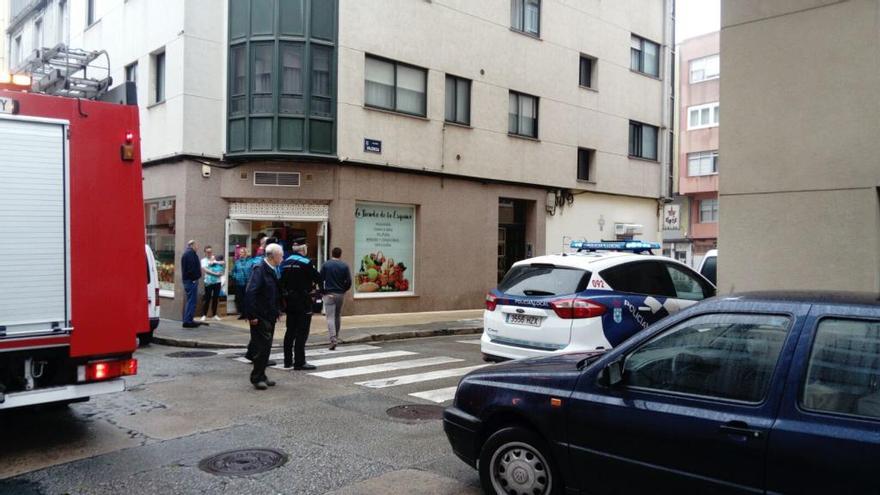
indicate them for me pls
(543, 280)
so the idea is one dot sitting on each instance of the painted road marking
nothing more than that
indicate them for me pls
(439, 396)
(419, 377)
(384, 367)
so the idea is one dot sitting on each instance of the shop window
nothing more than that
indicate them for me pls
(384, 250)
(159, 220)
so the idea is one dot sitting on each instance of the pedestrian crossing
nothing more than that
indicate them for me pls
(361, 362)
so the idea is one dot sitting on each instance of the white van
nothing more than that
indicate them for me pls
(709, 266)
(145, 338)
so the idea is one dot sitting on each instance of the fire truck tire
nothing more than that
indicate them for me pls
(145, 339)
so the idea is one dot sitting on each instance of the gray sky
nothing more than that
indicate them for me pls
(696, 17)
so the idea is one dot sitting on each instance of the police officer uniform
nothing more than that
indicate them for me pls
(298, 278)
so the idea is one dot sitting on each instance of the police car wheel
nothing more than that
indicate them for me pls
(516, 460)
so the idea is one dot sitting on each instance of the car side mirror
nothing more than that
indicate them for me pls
(612, 373)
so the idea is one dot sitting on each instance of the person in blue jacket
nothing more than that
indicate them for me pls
(298, 280)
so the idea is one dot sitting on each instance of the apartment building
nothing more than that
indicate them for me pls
(800, 195)
(435, 142)
(697, 155)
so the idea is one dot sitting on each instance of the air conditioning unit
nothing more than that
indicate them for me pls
(627, 229)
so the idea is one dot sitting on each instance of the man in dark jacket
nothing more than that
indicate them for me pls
(262, 309)
(192, 273)
(336, 278)
(298, 279)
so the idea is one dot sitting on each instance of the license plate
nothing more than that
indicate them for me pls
(528, 320)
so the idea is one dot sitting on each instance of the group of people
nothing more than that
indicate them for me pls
(267, 286)
(211, 268)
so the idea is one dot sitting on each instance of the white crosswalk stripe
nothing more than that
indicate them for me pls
(419, 377)
(475, 341)
(439, 396)
(319, 352)
(385, 367)
(361, 357)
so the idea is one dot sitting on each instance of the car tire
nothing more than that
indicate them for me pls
(145, 339)
(516, 460)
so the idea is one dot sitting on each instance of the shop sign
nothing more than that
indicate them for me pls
(384, 249)
(8, 105)
(372, 145)
(671, 217)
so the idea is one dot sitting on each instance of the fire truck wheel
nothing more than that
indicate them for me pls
(145, 339)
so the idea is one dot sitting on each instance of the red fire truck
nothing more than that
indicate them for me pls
(72, 278)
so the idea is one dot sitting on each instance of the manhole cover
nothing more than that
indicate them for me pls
(416, 411)
(191, 354)
(243, 462)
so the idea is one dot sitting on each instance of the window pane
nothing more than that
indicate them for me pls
(528, 119)
(516, 14)
(290, 134)
(713, 66)
(513, 114)
(323, 18)
(532, 17)
(694, 118)
(586, 72)
(450, 99)
(686, 286)
(262, 16)
(635, 139)
(463, 101)
(729, 356)
(704, 116)
(261, 84)
(261, 134)
(583, 172)
(160, 77)
(549, 281)
(291, 16)
(649, 142)
(238, 14)
(652, 58)
(379, 89)
(236, 135)
(635, 59)
(320, 136)
(693, 165)
(649, 277)
(844, 367)
(321, 70)
(238, 70)
(410, 90)
(717, 114)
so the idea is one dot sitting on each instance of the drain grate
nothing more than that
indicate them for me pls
(243, 462)
(416, 412)
(191, 354)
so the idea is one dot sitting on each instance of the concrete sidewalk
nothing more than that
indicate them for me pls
(232, 333)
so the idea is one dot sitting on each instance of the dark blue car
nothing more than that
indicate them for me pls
(754, 393)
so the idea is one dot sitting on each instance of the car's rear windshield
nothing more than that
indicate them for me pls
(709, 269)
(543, 280)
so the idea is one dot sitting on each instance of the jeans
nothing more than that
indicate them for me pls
(261, 340)
(298, 326)
(191, 287)
(333, 308)
(212, 295)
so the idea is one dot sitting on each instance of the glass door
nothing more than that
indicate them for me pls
(238, 237)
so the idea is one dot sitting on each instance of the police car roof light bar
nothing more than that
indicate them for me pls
(636, 247)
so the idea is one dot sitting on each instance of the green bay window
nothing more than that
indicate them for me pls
(281, 77)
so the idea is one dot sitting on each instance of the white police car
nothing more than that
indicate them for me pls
(591, 299)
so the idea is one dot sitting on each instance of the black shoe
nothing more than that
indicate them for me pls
(200, 323)
(261, 386)
(287, 366)
(190, 325)
(269, 382)
(332, 347)
(306, 366)
(271, 362)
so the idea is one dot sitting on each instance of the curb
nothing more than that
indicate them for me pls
(361, 339)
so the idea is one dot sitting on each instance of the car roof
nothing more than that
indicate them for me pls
(810, 297)
(592, 261)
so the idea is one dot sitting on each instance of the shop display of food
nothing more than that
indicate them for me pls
(380, 274)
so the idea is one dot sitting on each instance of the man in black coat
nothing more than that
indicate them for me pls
(192, 273)
(298, 279)
(262, 309)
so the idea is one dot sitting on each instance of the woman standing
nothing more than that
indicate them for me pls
(213, 271)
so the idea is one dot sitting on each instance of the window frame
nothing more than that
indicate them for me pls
(805, 372)
(641, 57)
(394, 107)
(38, 33)
(713, 154)
(713, 210)
(591, 159)
(90, 13)
(131, 69)
(698, 60)
(638, 152)
(159, 92)
(594, 62)
(792, 322)
(519, 95)
(456, 80)
(522, 19)
(714, 119)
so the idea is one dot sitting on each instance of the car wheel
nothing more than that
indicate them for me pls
(516, 461)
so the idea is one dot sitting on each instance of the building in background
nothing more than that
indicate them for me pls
(698, 108)
(33, 25)
(435, 142)
(4, 22)
(800, 196)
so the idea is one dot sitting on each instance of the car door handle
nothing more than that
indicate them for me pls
(740, 428)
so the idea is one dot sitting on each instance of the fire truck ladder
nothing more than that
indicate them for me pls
(63, 71)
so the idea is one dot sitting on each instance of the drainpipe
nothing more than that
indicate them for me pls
(668, 103)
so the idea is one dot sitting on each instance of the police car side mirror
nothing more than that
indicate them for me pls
(612, 373)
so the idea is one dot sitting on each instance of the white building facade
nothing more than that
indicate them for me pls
(450, 136)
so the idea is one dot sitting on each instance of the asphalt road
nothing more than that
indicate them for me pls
(331, 426)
